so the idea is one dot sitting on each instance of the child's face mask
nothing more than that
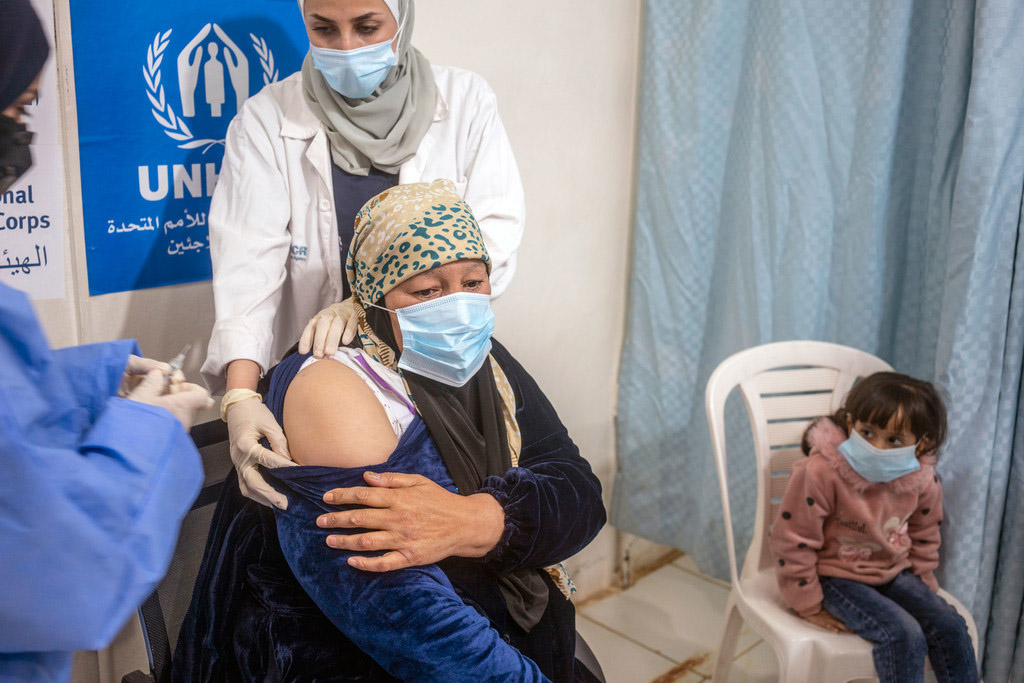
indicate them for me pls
(878, 464)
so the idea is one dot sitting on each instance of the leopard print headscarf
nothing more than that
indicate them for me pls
(407, 230)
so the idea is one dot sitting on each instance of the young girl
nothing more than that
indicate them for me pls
(857, 536)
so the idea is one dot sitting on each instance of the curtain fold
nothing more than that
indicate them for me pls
(851, 172)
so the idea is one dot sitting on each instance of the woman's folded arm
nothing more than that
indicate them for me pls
(410, 621)
(552, 500)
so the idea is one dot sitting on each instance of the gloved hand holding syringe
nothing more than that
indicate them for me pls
(163, 385)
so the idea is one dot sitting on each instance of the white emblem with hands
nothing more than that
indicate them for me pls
(220, 53)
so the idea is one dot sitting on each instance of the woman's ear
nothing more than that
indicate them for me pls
(924, 447)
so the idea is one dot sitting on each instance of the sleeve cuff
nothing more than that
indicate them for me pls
(126, 425)
(804, 600)
(232, 341)
(152, 451)
(808, 611)
(495, 553)
(516, 539)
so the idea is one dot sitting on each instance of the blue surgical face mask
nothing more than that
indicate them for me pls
(356, 73)
(446, 339)
(878, 464)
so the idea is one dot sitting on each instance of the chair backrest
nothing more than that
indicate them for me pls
(175, 589)
(785, 385)
(164, 611)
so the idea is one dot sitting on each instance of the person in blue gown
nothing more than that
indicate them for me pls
(96, 468)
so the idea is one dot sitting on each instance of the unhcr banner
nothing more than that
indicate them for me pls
(156, 85)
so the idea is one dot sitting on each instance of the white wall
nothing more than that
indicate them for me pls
(566, 78)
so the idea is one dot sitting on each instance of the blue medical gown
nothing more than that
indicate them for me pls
(93, 489)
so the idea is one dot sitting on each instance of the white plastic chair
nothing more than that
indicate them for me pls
(785, 385)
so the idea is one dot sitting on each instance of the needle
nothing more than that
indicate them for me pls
(176, 364)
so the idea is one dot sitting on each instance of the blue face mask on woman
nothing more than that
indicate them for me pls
(356, 73)
(878, 464)
(446, 339)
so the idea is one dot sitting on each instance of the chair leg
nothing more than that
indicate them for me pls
(797, 673)
(727, 643)
(797, 663)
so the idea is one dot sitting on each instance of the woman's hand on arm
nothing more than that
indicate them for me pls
(414, 520)
(334, 326)
(408, 517)
(249, 421)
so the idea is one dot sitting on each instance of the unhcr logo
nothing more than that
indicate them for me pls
(213, 79)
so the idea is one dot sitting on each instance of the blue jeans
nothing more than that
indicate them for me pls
(905, 620)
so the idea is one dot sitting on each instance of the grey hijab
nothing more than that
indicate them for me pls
(383, 130)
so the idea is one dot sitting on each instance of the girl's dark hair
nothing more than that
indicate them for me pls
(878, 398)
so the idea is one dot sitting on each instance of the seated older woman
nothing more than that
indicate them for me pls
(438, 572)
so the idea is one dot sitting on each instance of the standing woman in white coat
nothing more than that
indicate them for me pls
(366, 112)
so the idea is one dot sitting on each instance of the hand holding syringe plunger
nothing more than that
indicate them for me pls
(137, 367)
(163, 385)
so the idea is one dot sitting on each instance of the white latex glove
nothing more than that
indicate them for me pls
(137, 369)
(249, 421)
(183, 404)
(336, 323)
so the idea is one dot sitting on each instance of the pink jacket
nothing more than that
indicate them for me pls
(833, 522)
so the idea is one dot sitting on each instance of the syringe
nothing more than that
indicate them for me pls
(176, 364)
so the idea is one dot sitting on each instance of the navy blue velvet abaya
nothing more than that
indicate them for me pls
(274, 602)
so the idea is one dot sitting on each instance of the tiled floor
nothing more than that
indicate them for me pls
(665, 627)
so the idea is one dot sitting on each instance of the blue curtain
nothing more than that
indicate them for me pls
(843, 171)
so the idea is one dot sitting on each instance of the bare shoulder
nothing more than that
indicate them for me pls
(333, 419)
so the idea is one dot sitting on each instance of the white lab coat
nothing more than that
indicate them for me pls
(273, 229)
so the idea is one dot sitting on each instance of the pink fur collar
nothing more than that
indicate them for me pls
(824, 437)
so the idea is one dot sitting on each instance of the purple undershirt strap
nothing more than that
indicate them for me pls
(383, 384)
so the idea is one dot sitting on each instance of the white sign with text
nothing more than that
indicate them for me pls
(32, 210)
